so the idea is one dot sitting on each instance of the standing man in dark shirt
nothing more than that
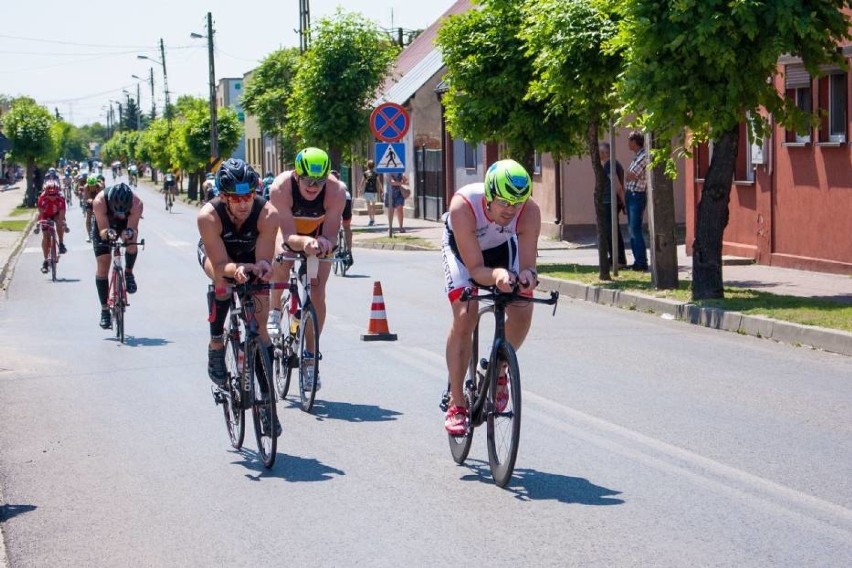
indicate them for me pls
(607, 201)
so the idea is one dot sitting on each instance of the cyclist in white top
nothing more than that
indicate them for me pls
(491, 238)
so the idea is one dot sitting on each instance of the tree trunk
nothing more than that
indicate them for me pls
(713, 218)
(601, 211)
(30, 196)
(335, 155)
(192, 190)
(661, 217)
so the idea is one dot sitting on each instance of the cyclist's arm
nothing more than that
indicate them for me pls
(464, 230)
(99, 207)
(335, 201)
(529, 229)
(267, 227)
(135, 215)
(210, 229)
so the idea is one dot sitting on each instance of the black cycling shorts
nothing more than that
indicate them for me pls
(347, 210)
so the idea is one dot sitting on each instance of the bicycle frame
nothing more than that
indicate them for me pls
(48, 228)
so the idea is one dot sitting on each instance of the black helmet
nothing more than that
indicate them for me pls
(237, 178)
(120, 198)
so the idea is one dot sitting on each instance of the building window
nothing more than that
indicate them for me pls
(797, 86)
(469, 156)
(837, 107)
(537, 163)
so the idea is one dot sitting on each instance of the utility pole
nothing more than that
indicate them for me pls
(153, 101)
(166, 83)
(214, 126)
(304, 24)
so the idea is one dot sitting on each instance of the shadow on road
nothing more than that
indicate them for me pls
(349, 412)
(533, 485)
(10, 511)
(131, 341)
(287, 467)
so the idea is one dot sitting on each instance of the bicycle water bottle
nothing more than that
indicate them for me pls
(294, 322)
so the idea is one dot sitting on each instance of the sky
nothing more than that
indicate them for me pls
(77, 57)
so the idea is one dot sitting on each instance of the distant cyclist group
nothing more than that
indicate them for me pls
(252, 229)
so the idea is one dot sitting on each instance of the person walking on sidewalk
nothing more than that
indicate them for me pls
(371, 188)
(637, 199)
(395, 200)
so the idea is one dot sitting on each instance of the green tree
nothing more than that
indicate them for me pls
(489, 71)
(157, 145)
(28, 127)
(575, 77)
(703, 66)
(68, 141)
(338, 77)
(266, 96)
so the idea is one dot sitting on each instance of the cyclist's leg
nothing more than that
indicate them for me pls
(45, 249)
(219, 304)
(318, 292)
(101, 282)
(280, 273)
(458, 347)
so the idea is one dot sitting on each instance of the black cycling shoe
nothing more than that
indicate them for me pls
(264, 422)
(106, 320)
(216, 366)
(45, 266)
(131, 282)
(62, 249)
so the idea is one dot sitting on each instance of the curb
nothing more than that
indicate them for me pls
(835, 341)
(391, 246)
(8, 268)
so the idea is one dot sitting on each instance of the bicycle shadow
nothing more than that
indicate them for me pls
(346, 411)
(533, 485)
(8, 511)
(132, 341)
(70, 280)
(295, 469)
(353, 276)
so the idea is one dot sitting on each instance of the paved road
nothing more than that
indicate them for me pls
(645, 441)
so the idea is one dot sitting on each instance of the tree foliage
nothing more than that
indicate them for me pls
(336, 81)
(574, 77)
(489, 71)
(28, 125)
(703, 66)
(68, 141)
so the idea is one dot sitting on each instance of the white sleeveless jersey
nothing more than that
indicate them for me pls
(488, 233)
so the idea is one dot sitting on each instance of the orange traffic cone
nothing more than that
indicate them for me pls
(377, 330)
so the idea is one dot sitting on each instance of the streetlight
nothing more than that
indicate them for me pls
(151, 81)
(165, 76)
(214, 126)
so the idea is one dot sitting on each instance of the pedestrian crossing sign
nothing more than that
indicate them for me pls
(390, 158)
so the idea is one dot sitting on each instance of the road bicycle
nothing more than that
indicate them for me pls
(301, 335)
(66, 189)
(246, 364)
(481, 385)
(342, 259)
(117, 298)
(170, 199)
(133, 179)
(48, 226)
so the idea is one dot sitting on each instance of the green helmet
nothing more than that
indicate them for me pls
(507, 180)
(312, 162)
(92, 180)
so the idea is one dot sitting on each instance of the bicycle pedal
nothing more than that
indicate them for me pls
(218, 395)
(445, 401)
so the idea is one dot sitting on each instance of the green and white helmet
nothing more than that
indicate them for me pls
(507, 180)
(312, 162)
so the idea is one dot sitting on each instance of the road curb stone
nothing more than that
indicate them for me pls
(8, 267)
(835, 341)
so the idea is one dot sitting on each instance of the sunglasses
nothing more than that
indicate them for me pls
(504, 203)
(235, 198)
(313, 181)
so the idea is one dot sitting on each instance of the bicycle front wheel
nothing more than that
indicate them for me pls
(281, 367)
(54, 257)
(308, 357)
(504, 412)
(233, 407)
(263, 409)
(118, 307)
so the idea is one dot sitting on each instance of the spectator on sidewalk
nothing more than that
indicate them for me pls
(636, 199)
(371, 188)
(395, 200)
(604, 150)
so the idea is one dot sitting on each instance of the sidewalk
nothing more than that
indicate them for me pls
(737, 273)
(11, 196)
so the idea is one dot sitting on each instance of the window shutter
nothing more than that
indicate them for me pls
(796, 77)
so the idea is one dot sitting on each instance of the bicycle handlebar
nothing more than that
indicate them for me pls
(507, 297)
(116, 243)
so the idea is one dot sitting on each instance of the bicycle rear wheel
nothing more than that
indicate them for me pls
(54, 257)
(308, 368)
(118, 307)
(504, 427)
(460, 445)
(233, 407)
(264, 404)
